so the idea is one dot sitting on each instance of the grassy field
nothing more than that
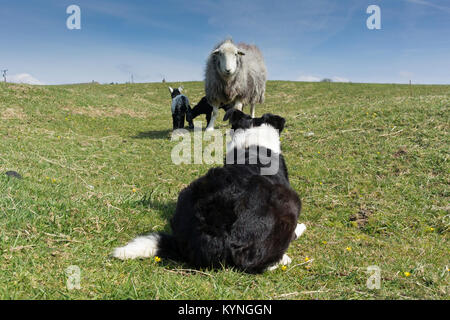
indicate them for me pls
(97, 171)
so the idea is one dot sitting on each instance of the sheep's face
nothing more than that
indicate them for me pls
(227, 59)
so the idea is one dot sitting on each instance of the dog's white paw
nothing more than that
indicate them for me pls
(285, 260)
(301, 227)
(271, 268)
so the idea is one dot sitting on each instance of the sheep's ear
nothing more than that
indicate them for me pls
(170, 89)
(242, 53)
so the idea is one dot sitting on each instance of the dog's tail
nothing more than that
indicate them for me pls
(154, 244)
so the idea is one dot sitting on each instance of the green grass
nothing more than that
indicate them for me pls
(373, 178)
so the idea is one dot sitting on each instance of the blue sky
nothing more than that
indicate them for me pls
(300, 40)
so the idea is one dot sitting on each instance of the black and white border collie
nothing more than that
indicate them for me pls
(234, 215)
(181, 109)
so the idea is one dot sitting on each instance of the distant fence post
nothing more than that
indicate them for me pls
(4, 74)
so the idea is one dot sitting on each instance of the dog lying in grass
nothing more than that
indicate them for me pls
(235, 215)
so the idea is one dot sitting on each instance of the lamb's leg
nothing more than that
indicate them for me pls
(189, 117)
(208, 118)
(252, 110)
(214, 115)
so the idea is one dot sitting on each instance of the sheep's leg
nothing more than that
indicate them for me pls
(238, 105)
(252, 110)
(214, 115)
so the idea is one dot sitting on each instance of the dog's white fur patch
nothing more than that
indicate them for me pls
(140, 247)
(285, 260)
(299, 230)
(264, 136)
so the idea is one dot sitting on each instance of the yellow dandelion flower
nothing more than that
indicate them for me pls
(407, 274)
(157, 259)
(348, 249)
(318, 152)
(283, 268)
(306, 259)
(53, 180)
(324, 242)
(431, 229)
(134, 190)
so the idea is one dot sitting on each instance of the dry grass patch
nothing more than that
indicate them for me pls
(12, 113)
(109, 112)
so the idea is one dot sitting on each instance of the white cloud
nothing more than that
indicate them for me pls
(308, 78)
(406, 74)
(339, 79)
(429, 4)
(312, 78)
(22, 78)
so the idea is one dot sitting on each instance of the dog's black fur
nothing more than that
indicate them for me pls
(233, 215)
(203, 107)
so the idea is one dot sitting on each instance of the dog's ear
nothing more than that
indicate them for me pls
(180, 88)
(170, 90)
(275, 121)
(279, 123)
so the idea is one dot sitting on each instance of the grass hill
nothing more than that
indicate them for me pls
(369, 161)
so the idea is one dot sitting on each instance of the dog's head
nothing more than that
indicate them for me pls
(240, 120)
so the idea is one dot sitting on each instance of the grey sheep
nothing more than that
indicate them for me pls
(236, 75)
